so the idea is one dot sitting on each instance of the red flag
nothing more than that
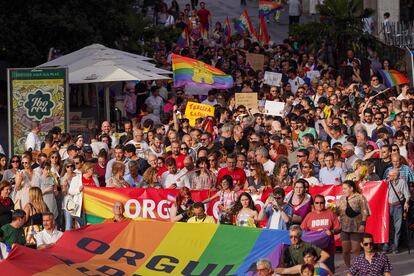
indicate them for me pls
(263, 34)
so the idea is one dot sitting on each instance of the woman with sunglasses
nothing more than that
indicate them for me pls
(307, 173)
(25, 179)
(278, 213)
(212, 160)
(10, 174)
(55, 163)
(202, 179)
(281, 176)
(258, 179)
(300, 201)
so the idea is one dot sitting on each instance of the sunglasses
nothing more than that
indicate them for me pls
(53, 157)
(368, 243)
(68, 166)
(15, 161)
(77, 163)
(319, 202)
(25, 163)
(212, 160)
(294, 237)
(394, 149)
(377, 119)
(306, 167)
(300, 156)
(184, 148)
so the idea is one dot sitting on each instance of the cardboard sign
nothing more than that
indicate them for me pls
(274, 108)
(314, 74)
(194, 111)
(249, 100)
(256, 61)
(272, 78)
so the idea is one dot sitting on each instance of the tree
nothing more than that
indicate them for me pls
(29, 28)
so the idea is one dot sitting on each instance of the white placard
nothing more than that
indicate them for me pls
(272, 78)
(314, 74)
(274, 108)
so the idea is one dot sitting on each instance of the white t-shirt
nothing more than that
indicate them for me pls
(180, 178)
(155, 103)
(295, 83)
(274, 222)
(294, 7)
(206, 101)
(33, 142)
(43, 237)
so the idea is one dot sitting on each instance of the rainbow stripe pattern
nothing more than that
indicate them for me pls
(227, 30)
(188, 71)
(184, 39)
(243, 24)
(155, 248)
(393, 78)
(267, 7)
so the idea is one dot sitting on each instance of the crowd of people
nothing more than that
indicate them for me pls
(338, 127)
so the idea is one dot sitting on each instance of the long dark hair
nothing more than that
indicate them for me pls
(238, 206)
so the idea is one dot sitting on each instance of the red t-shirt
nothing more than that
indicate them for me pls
(321, 222)
(178, 160)
(88, 182)
(238, 175)
(101, 174)
(203, 16)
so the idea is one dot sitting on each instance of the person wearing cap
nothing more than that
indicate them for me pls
(88, 153)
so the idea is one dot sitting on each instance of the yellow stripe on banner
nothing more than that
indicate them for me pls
(184, 243)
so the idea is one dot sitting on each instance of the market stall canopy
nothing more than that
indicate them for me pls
(97, 63)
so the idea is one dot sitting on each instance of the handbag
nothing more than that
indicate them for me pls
(349, 211)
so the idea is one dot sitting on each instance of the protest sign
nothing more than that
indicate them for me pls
(314, 74)
(249, 100)
(274, 108)
(256, 61)
(194, 111)
(155, 203)
(36, 95)
(272, 78)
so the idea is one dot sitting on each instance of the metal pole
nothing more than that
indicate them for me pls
(98, 108)
(107, 102)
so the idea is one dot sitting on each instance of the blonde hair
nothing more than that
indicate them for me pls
(148, 176)
(87, 166)
(36, 199)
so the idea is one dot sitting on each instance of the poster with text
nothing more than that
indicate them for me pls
(36, 95)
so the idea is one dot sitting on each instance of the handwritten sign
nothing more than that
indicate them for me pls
(274, 108)
(194, 111)
(256, 61)
(314, 74)
(249, 100)
(272, 78)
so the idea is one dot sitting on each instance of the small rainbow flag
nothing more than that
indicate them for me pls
(244, 24)
(227, 30)
(266, 7)
(263, 35)
(184, 39)
(188, 71)
(393, 77)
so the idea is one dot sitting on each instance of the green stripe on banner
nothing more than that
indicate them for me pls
(93, 219)
(230, 245)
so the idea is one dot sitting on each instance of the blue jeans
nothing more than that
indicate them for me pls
(69, 220)
(396, 213)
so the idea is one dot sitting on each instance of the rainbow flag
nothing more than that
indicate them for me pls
(244, 25)
(264, 37)
(188, 71)
(227, 30)
(393, 77)
(267, 7)
(184, 39)
(155, 248)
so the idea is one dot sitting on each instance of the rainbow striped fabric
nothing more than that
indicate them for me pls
(244, 25)
(393, 78)
(227, 30)
(184, 39)
(188, 71)
(266, 7)
(155, 248)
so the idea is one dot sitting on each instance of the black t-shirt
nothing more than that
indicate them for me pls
(381, 166)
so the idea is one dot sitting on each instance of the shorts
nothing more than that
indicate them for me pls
(351, 236)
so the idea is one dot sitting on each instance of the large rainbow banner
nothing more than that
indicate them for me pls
(156, 203)
(154, 248)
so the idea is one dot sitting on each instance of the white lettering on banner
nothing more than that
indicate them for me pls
(128, 208)
(149, 206)
(163, 212)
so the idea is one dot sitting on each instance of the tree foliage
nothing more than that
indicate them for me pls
(341, 25)
(29, 28)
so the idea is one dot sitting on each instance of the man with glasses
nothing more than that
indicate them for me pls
(376, 86)
(406, 173)
(177, 155)
(278, 213)
(322, 219)
(370, 262)
(293, 255)
(208, 142)
(264, 268)
(330, 174)
(379, 124)
(139, 142)
(301, 156)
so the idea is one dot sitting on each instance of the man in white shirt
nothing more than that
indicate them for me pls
(262, 156)
(33, 142)
(173, 178)
(155, 101)
(49, 235)
(368, 121)
(294, 80)
(140, 145)
(211, 98)
(119, 157)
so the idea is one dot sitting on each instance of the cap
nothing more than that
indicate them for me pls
(87, 149)
(73, 147)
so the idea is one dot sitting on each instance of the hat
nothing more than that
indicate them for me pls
(276, 137)
(87, 149)
(73, 147)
